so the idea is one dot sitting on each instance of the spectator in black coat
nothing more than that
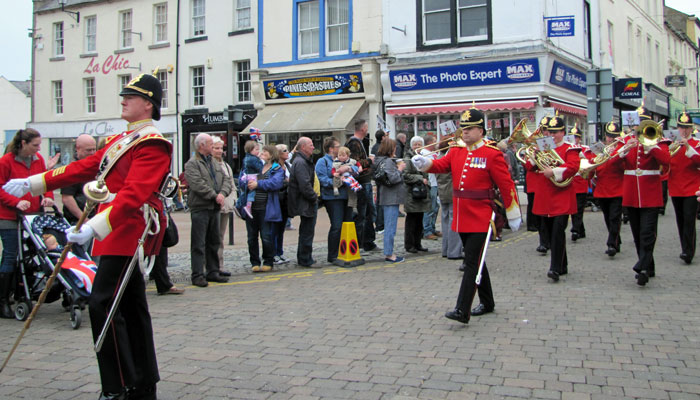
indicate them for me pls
(303, 200)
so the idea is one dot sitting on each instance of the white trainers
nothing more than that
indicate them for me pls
(281, 260)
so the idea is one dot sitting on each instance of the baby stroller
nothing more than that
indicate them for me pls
(36, 263)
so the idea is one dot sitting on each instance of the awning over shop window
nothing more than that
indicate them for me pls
(453, 108)
(316, 116)
(568, 108)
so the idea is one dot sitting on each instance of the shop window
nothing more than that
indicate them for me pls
(447, 23)
(405, 125)
(498, 125)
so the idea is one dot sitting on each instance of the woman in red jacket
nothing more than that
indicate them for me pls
(21, 160)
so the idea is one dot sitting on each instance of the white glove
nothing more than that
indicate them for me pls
(515, 224)
(421, 163)
(17, 187)
(83, 236)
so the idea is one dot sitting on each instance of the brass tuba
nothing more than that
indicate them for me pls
(650, 132)
(529, 151)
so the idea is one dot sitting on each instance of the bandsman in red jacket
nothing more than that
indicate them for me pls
(535, 179)
(683, 181)
(475, 170)
(133, 165)
(641, 194)
(556, 203)
(578, 229)
(608, 190)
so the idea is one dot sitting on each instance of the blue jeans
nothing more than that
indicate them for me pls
(391, 216)
(430, 217)
(10, 245)
(338, 212)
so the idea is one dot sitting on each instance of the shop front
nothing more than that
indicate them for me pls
(227, 125)
(507, 91)
(654, 99)
(315, 106)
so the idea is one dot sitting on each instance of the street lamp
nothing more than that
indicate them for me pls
(74, 14)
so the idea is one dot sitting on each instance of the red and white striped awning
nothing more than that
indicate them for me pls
(568, 108)
(455, 108)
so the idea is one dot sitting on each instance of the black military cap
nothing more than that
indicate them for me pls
(575, 131)
(544, 122)
(148, 87)
(472, 117)
(555, 124)
(613, 129)
(643, 113)
(684, 120)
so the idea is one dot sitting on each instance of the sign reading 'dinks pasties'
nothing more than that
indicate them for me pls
(452, 76)
(314, 86)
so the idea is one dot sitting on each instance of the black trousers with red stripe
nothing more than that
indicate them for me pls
(556, 226)
(128, 355)
(473, 247)
(686, 209)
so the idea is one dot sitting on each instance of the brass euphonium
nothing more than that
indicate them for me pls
(529, 151)
(650, 132)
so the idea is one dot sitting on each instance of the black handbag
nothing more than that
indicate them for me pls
(419, 191)
(171, 236)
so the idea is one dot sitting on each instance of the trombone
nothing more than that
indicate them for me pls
(454, 140)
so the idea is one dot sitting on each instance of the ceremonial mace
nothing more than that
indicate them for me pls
(96, 192)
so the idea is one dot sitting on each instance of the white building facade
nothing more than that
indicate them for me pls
(444, 57)
(218, 50)
(83, 56)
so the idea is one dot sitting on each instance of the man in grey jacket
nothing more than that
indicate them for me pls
(207, 191)
(302, 199)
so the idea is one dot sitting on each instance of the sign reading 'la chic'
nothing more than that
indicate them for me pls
(314, 86)
(479, 74)
(110, 64)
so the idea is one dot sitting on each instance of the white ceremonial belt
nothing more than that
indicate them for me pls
(640, 172)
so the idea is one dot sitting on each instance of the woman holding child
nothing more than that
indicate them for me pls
(264, 209)
(330, 168)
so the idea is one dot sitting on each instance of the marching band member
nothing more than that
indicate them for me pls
(641, 194)
(535, 180)
(475, 169)
(578, 230)
(133, 165)
(683, 181)
(608, 191)
(554, 203)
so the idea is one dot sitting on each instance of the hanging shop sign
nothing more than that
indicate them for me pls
(628, 88)
(314, 86)
(452, 76)
(568, 78)
(205, 119)
(560, 26)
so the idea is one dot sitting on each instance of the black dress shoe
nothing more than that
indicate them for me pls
(113, 396)
(224, 273)
(217, 278)
(611, 251)
(457, 315)
(200, 281)
(422, 248)
(142, 393)
(481, 310)
(541, 249)
(455, 258)
(553, 275)
(462, 267)
(532, 229)
(642, 278)
(574, 236)
(412, 250)
(686, 258)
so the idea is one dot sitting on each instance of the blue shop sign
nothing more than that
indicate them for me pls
(568, 78)
(481, 74)
(560, 26)
(314, 86)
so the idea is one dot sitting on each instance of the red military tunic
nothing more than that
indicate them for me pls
(134, 179)
(476, 169)
(552, 200)
(641, 186)
(609, 178)
(580, 184)
(684, 178)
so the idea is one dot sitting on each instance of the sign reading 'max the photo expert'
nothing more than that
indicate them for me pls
(451, 76)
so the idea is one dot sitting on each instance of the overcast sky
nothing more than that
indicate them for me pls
(15, 20)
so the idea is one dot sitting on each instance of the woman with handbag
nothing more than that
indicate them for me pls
(265, 210)
(217, 152)
(417, 199)
(390, 194)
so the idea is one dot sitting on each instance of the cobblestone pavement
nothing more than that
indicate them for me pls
(377, 331)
